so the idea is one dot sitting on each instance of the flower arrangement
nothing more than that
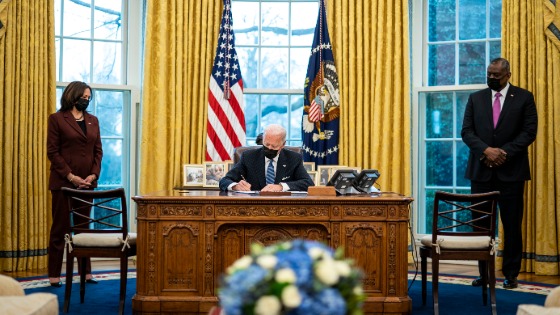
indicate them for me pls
(297, 277)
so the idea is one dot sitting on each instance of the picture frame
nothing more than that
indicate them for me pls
(334, 168)
(309, 166)
(323, 174)
(314, 176)
(193, 174)
(230, 165)
(213, 172)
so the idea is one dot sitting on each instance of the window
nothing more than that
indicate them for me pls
(92, 40)
(273, 41)
(461, 37)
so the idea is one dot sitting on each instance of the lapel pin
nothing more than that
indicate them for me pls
(284, 165)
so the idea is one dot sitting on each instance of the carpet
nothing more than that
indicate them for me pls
(457, 297)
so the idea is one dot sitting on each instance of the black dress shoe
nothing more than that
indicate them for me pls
(56, 284)
(510, 283)
(477, 282)
(92, 281)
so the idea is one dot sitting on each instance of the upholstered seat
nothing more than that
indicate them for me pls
(463, 228)
(239, 150)
(13, 300)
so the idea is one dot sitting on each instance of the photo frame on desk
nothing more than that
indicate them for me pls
(230, 165)
(309, 166)
(324, 174)
(314, 177)
(213, 172)
(334, 168)
(193, 175)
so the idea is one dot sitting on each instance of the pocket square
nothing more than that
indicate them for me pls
(283, 178)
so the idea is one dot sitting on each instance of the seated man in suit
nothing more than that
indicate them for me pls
(268, 168)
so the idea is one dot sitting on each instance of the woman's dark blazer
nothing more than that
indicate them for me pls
(72, 151)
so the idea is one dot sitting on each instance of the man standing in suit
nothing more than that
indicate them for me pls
(500, 123)
(268, 168)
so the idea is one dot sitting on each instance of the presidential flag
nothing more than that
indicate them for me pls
(226, 120)
(321, 99)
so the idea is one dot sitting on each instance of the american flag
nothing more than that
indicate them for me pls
(321, 99)
(226, 120)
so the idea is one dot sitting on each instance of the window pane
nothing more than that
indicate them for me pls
(495, 19)
(439, 115)
(252, 114)
(275, 23)
(296, 115)
(441, 65)
(495, 50)
(107, 19)
(298, 67)
(462, 157)
(77, 19)
(76, 60)
(439, 167)
(111, 164)
(249, 64)
(109, 111)
(303, 25)
(107, 64)
(245, 22)
(57, 17)
(462, 99)
(472, 63)
(274, 68)
(472, 19)
(57, 43)
(274, 110)
(441, 25)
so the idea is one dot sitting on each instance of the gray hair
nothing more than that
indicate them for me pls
(502, 61)
(275, 129)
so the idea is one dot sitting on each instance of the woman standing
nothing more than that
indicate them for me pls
(74, 149)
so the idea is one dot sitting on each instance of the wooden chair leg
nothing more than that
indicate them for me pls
(492, 283)
(68, 287)
(124, 273)
(424, 268)
(82, 279)
(435, 283)
(484, 276)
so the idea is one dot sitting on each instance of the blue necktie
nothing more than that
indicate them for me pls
(270, 172)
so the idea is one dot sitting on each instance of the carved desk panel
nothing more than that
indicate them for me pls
(186, 239)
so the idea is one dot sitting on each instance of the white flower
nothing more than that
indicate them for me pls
(241, 263)
(326, 272)
(317, 252)
(291, 297)
(268, 305)
(285, 275)
(342, 268)
(358, 290)
(267, 261)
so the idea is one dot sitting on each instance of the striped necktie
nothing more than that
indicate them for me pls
(270, 172)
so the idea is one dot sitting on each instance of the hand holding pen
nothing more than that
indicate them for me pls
(243, 185)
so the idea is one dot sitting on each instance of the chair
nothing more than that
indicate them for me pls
(14, 301)
(463, 228)
(239, 150)
(105, 236)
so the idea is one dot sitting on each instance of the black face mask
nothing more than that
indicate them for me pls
(82, 104)
(493, 83)
(269, 153)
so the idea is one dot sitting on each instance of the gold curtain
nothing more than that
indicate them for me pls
(535, 65)
(27, 95)
(371, 50)
(180, 43)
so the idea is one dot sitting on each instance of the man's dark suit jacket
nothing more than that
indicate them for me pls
(72, 151)
(515, 131)
(289, 170)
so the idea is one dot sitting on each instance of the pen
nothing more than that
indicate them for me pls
(243, 177)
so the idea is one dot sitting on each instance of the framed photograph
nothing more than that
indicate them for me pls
(323, 174)
(230, 165)
(334, 168)
(309, 166)
(193, 174)
(314, 177)
(213, 172)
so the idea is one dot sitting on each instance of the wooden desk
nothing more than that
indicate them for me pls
(187, 239)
